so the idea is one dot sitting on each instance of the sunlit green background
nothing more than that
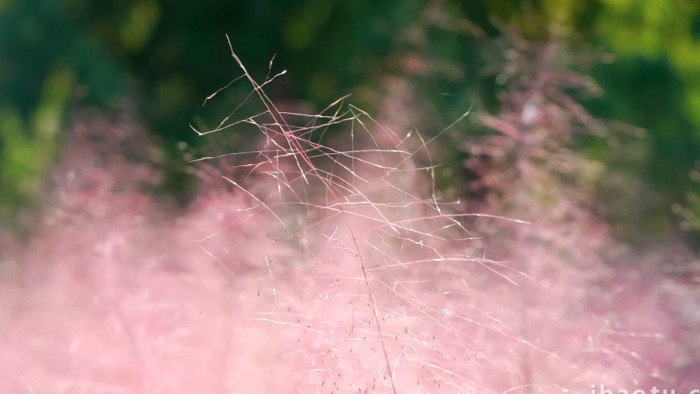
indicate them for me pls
(165, 57)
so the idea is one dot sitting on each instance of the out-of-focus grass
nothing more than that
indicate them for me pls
(305, 267)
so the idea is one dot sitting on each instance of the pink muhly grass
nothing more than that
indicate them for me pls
(304, 267)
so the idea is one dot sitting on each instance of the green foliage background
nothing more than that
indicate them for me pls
(167, 56)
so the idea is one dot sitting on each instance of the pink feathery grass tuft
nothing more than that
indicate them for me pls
(305, 266)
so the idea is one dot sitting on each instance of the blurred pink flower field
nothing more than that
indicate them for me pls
(273, 283)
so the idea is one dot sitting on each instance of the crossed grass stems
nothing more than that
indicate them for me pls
(304, 170)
